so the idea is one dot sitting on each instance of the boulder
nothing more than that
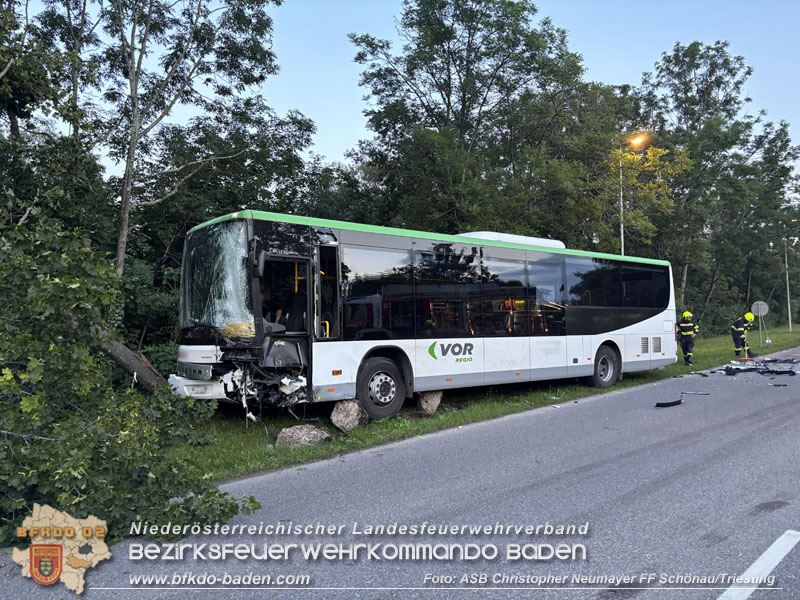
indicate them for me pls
(429, 402)
(302, 435)
(348, 414)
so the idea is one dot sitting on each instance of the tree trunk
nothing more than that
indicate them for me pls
(749, 278)
(14, 125)
(125, 197)
(136, 365)
(684, 276)
(714, 278)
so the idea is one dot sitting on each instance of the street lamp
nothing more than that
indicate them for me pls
(634, 142)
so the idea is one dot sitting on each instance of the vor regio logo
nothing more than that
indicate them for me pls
(462, 352)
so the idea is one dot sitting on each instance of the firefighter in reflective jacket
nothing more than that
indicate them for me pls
(687, 330)
(739, 329)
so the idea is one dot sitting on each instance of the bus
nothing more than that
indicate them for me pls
(284, 310)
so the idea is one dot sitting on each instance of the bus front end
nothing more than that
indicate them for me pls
(243, 319)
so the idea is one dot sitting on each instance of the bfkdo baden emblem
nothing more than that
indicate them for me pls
(46, 562)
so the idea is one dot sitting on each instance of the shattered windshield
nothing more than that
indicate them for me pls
(215, 287)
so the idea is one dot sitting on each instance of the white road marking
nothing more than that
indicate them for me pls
(763, 565)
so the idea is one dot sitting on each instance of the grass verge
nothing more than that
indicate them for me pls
(238, 448)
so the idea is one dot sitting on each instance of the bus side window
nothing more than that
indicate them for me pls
(448, 291)
(505, 302)
(377, 293)
(593, 282)
(646, 286)
(546, 295)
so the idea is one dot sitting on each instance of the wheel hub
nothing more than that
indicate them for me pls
(604, 369)
(382, 388)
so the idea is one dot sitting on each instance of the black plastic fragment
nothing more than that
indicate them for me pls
(668, 404)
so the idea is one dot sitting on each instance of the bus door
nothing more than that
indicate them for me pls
(285, 311)
(326, 306)
(548, 322)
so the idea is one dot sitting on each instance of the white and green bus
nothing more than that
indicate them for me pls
(284, 309)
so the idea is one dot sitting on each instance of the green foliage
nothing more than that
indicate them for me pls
(70, 439)
(537, 151)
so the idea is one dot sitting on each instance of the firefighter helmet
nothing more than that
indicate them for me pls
(687, 315)
(749, 317)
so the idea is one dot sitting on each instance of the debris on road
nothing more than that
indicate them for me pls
(762, 367)
(680, 400)
(786, 361)
(668, 404)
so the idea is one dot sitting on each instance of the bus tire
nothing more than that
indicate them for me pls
(606, 368)
(380, 388)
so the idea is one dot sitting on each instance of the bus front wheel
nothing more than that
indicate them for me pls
(380, 388)
(606, 368)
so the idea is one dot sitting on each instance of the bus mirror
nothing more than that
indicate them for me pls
(261, 261)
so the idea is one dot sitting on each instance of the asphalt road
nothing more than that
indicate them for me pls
(694, 490)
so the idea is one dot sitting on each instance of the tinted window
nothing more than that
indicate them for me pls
(505, 309)
(328, 293)
(448, 291)
(593, 282)
(546, 294)
(645, 286)
(284, 293)
(377, 292)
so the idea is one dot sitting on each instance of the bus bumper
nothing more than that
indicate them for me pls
(211, 389)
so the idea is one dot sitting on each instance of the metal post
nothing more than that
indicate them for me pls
(788, 293)
(621, 225)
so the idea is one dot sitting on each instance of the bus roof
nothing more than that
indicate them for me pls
(460, 239)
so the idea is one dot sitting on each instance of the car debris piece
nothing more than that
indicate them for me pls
(778, 372)
(680, 400)
(779, 384)
(289, 386)
(668, 404)
(734, 369)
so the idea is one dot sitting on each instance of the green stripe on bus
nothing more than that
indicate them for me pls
(425, 235)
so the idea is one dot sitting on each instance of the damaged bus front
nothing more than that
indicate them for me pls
(246, 313)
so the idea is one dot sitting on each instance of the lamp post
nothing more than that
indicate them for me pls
(635, 141)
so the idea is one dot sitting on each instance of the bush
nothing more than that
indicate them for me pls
(69, 438)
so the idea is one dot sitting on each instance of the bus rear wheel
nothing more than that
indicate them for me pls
(606, 368)
(380, 388)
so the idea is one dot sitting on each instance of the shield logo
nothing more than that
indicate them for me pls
(46, 562)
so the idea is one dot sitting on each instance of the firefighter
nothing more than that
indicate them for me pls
(687, 330)
(739, 329)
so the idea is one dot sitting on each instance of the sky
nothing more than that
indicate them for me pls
(618, 40)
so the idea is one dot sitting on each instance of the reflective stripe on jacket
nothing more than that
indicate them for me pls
(741, 325)
(687, 327)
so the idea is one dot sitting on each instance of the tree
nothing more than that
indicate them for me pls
(694, 100)
(28, 69)
(437, 101)
(148, 58)
(69, 438)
